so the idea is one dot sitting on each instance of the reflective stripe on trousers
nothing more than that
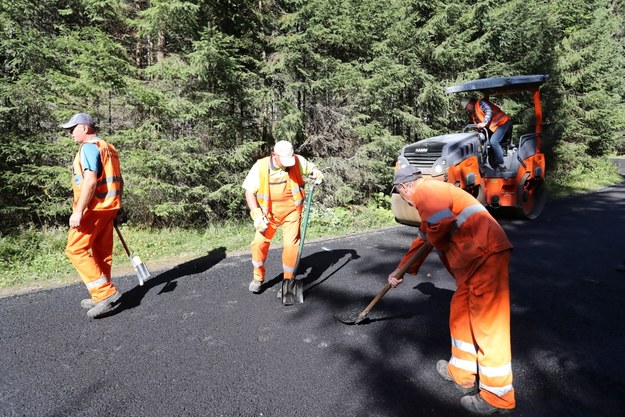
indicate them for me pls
(288, 216)
(480, 313)
(97, 283)
(90, 249)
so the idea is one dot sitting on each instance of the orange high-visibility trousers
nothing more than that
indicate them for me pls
(480, 332)
(286, 214)
(90, 249)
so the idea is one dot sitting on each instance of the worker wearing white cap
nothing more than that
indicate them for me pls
(274, 191)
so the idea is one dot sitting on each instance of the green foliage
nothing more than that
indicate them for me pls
(172, 183)
(575, 172)
(192, 92)
(33, 256)
(37, 256)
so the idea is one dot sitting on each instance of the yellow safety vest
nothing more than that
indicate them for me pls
(296, 184)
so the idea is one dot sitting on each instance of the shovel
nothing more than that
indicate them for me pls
(363, 315)
(140, 268)
(293, 289)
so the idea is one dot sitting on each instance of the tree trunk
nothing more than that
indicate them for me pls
(160, 46)
(138, 46)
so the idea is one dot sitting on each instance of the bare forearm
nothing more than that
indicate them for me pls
(87, 191)
(250, 198)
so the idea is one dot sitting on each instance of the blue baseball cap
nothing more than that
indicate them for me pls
(79, 119)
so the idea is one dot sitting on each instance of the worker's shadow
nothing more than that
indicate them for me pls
(437, 304)
(435, 307)
(132, 298)
(314, 266)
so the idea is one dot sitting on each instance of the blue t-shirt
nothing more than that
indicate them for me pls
(90, 160)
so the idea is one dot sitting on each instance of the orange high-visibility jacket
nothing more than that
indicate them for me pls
(458, 225)
(498, 116)
(108, 192)
(296, 184)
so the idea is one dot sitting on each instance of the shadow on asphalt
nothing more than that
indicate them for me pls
(314, 266)
(131, 299)
(567, 327)
(411, 321)
(567, 318)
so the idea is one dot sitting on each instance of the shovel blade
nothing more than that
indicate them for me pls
(352, 319)
(346, 319)
(292, 291)
(140, 268)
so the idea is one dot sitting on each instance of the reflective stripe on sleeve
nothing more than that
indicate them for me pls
(437, 217)
(288, 268)
(468, 211)
(422, 235)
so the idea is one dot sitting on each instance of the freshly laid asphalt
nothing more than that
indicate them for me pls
(193, 341)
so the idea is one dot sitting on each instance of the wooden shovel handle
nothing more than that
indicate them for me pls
(426, 247)
(122, 240)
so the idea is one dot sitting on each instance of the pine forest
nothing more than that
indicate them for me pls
(192, 92)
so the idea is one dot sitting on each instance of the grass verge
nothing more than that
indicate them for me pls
(34, 259)
(596, 174)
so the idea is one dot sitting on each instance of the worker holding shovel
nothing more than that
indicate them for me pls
(476, 252)
(97, 184)
(274, 192)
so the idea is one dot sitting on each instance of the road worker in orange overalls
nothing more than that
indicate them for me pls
(97, 184)
(274, 191)
(476, 252)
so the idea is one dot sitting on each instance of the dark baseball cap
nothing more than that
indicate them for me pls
(406, 174)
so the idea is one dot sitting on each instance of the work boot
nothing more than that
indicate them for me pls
(255, 286)
(475, 404)
(442, 367)
(87, 303)
(105, 306)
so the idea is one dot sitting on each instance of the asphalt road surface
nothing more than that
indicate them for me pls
(194, 342)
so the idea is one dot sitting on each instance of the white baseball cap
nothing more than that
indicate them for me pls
(284, 150)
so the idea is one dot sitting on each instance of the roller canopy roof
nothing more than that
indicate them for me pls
(500, 84)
